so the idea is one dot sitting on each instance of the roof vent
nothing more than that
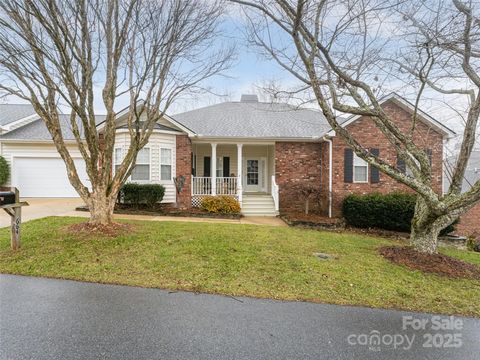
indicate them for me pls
(249, 98)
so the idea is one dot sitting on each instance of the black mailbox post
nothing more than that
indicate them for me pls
(7, 197)
(10, 202)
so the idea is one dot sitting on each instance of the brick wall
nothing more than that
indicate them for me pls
(184, 167)
(369, 136)
(296, 163)
(470, 222)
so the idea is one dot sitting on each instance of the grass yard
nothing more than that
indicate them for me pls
(250, 260)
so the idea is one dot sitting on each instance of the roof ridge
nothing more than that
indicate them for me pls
(249, 104)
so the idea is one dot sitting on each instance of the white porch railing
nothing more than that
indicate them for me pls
(275, 191)
(202, 185)
(226, 185)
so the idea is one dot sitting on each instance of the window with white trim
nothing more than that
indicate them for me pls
(141, 171)
(360, 169)
(165, 164)
(118, 159)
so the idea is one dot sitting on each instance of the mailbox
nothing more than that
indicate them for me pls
(7, 197)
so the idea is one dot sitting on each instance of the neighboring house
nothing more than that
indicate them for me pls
(469, 222)
(261, 153)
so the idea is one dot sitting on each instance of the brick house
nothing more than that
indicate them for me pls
(264, 154)
(261, 153)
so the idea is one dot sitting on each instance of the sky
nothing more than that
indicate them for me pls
(251, 70)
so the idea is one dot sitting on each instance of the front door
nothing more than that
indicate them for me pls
(254, 174)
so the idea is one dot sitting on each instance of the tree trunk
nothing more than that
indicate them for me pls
(101, 209)
(424, 239)
(426, 227)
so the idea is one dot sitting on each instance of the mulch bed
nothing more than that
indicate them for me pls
(163, 210)
(171, 211)
(436, 263)
(311, 220)
(112, 230)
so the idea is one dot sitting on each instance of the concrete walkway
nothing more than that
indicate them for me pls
(66, 320)
(251, 220)
(40, 208)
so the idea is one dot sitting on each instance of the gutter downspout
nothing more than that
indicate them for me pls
(330, 174)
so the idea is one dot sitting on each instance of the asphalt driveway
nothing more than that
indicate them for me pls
(43, 207)
(57, 319)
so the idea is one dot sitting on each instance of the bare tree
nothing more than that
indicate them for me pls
(346, 52)
(71, 52)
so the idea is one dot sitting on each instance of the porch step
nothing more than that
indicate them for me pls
(258, 205)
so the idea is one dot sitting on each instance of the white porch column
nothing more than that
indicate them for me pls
(239, 172)
(213, 167)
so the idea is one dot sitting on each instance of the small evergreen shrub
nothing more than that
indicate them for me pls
(147, 194)
(220, 204)
(4, 171)
(392, 211)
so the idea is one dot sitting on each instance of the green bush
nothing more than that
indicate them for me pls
(392, 211)
(4, 171)
(220, 204)
(136, 194)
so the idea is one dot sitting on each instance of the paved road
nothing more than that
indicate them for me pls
(56, 319)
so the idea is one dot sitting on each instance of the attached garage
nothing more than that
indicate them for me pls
(45, 176)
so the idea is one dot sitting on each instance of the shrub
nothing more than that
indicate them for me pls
(306, 192)
(220, 204)
(136, 194)
(4, 171)
(392, 211)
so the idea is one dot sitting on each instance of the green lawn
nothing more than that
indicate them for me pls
(251, 260)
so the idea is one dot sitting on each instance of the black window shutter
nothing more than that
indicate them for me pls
(226, 166)
(194, 165)
(374, 172)
(348, 166)
(401, 166)
(430, 155)
(206, 166)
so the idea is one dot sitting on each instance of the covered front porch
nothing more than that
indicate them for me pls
(234, 169)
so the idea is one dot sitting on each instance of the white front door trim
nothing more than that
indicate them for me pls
(259, 183)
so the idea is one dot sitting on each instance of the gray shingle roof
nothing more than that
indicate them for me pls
(254, 120)
(156, 127)
(13, 112)
(36, 130)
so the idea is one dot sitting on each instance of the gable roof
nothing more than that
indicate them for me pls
(250, 119)
(157, 126)
(409, 107)
(10, 113)
(37, 130)
(244, 119)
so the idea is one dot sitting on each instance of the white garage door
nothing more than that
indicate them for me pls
(45, 177)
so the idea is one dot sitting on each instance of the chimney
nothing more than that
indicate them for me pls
(249, 98)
